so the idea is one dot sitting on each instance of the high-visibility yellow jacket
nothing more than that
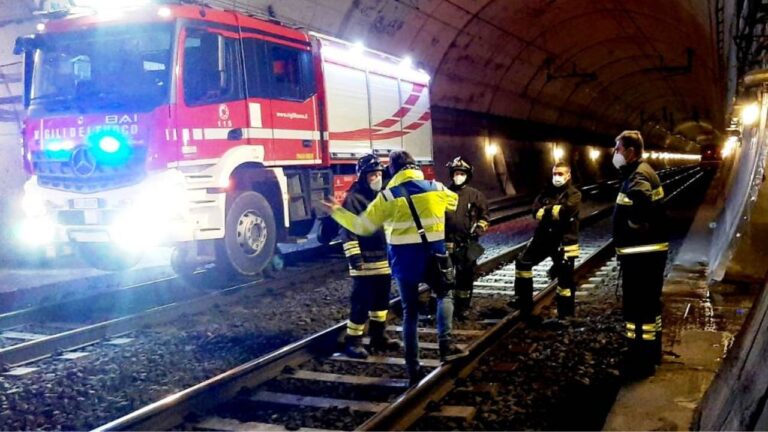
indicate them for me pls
(390, 210)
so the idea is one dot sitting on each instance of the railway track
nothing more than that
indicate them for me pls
(62, 328)
(246, 397)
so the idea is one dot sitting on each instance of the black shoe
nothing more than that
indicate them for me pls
(450, 351)
(353, 347)
(415, 374)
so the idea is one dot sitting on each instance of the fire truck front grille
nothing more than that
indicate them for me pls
(64, 175)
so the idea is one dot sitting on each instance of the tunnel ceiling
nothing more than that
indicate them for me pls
(597, 65)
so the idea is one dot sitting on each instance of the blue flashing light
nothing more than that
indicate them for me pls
(58, 149)
(110, 147)
(109, 144)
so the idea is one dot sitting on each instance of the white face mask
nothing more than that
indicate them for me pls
(558, 180)
(618, 160)
(376, 184)
(459, 179)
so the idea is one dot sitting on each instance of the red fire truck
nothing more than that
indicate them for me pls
(206, 129)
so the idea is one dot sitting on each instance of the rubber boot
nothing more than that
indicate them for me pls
(354, 347)
(565, 304)
(524, 293)
(379, 340)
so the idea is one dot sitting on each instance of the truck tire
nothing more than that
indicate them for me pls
(250, 235)
(107, 256)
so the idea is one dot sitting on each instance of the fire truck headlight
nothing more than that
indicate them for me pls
(33, 204)
(136, 231)
(37, 231)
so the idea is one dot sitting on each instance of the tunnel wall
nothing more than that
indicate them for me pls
(738, 251)
(525, 151)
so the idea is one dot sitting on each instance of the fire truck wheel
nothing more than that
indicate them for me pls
(107, 257)
(250, 234)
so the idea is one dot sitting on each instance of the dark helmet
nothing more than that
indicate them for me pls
(368, 163)
(459, 164)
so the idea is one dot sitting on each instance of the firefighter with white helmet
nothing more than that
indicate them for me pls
(368, 266)
(462, 229)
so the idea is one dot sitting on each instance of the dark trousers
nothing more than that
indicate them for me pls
(370, 299)
(642, 280)
(409, 264)
(537, 251)
(465, 283)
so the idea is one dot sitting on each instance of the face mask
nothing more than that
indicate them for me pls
(558, 180)
(459, 179)
(376, 184)
(618, 160)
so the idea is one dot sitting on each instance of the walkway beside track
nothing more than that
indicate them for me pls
(700, 324)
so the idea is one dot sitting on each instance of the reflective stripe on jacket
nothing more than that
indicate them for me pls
(367, 256)
(639, 219)
(390, 210)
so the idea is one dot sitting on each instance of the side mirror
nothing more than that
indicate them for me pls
(26, 43)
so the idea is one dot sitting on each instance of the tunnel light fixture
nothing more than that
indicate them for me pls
(750, 114)
(558, 153)
(491, 149)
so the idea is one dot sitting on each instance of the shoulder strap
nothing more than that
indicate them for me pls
(415, 215)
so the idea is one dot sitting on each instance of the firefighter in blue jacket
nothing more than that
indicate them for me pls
(409, 256)
(368, 266)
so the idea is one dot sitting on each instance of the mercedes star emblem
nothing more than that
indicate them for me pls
(83, 163)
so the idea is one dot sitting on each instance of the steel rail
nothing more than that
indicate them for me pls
(172, 410)
(414, 403)
(45, 347)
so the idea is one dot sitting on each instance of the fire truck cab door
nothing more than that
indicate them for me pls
(294, 117)
(211, 114)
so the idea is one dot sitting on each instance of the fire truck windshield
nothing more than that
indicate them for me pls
(105, 68)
